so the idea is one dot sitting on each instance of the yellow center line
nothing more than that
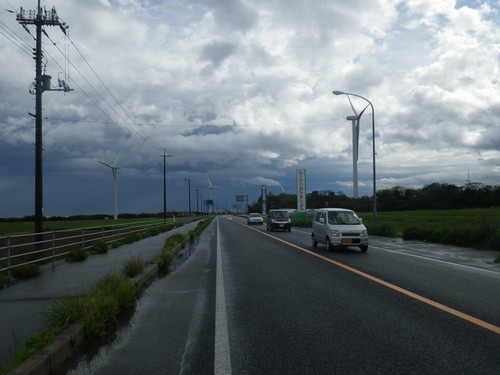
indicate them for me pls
(406, 292)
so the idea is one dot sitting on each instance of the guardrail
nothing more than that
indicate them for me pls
(23, 249)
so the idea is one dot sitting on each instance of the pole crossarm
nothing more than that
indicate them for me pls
(41, 16)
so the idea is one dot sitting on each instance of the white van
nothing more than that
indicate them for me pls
(336, 227)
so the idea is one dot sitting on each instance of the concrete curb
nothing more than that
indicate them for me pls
(146, 277)
(52, 355)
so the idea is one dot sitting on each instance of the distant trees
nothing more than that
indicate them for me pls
(433, 196)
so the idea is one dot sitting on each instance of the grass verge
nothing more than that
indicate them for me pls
(133, 267)
(99, 310)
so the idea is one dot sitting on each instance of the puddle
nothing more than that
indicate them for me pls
(184, 254)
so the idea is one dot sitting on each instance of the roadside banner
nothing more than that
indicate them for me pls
(263, 189)
(301, 190)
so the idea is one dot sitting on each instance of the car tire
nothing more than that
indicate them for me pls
(364, 249)
(328, 244)
(313, 241)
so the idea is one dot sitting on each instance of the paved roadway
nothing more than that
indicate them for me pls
(252, 302)
(22, 304)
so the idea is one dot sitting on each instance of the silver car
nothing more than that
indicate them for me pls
(255, 218)
(338, 227)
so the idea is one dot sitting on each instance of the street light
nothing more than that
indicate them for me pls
(373, 153)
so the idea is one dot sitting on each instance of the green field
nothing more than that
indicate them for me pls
(436, 220)
(22, 227)
(477, 228)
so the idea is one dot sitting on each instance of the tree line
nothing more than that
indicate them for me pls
(435, 196)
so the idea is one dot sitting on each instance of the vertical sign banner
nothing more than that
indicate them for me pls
(301, 190)
(263, 189)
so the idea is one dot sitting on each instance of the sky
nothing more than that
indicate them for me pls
(240, 92)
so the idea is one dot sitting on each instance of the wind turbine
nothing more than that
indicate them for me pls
(210, 201)
(114, 169)
(355, 145)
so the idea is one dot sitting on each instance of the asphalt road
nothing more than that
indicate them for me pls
(252, 302)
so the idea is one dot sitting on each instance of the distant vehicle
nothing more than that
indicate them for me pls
(337, 227)
(255, 218)
(279, 219)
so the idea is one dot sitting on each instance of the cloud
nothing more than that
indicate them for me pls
(242, 90)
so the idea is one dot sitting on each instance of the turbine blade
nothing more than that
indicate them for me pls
(118, 158)
(107, 165)
(353, 109)
(364, 109)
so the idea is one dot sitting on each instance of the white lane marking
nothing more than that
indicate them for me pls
(475, 268)
(435, 259)
(222, 360)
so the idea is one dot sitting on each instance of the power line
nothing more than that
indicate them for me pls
(198, 125)
(103, 84)
(132, 125)
(129, 126)
(18, 41)
(15, 39)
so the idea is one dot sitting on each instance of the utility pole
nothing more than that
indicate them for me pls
(40, 17)
(189, 194)
(197, 201)
(165, 156)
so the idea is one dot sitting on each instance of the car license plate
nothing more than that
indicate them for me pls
(347, 240)
(281, 225)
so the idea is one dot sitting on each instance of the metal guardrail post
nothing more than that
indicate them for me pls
(8, 255)
(83, 238)
(53, 248)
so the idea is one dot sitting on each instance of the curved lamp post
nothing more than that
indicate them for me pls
(373, 153)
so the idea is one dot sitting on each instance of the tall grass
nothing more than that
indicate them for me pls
(478, 228)
(99, 310)
(112, 293)
(133, 267)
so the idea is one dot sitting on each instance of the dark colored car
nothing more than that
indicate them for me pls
(279, 219)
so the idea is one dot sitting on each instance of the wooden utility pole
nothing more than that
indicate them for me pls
(165, 156)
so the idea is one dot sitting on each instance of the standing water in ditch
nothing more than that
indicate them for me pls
(94, 354)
